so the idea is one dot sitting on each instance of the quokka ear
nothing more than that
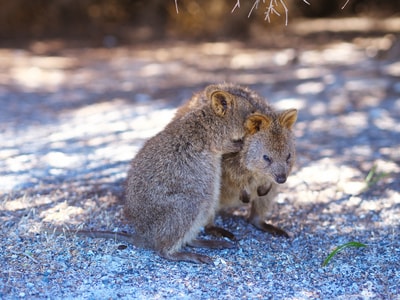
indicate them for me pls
(257, 122)
(221, 101)
(287, 118)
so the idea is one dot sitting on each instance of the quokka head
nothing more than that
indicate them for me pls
(269, 146)
(232, 109)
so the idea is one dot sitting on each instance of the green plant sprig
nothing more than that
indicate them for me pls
(334, 252)
(374, 177)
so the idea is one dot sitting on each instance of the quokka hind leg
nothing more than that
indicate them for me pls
(187, 256)
(259, 209)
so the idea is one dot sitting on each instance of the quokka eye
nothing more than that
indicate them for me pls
(288, 157)
(267, 159)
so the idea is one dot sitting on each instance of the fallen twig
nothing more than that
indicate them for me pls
(25, 254)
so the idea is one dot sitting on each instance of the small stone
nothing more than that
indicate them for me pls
(29, 285)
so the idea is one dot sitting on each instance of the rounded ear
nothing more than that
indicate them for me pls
(287, 118)
(209, 90)
(220, 102)
(257, 122)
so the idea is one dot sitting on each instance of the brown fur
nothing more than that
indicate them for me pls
(173, 184)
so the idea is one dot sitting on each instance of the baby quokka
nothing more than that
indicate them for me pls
(253, 174)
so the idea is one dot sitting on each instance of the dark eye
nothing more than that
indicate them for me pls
(288, 157)
(267, 159)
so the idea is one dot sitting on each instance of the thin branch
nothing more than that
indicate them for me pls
(270, 8)
(237, 5)
(345, 4)
(255, 5)
(286, 12)
(176, 6)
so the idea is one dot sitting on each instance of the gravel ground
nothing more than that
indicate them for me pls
(71, 120)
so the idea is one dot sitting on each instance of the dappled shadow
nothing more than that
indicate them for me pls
(72, 119)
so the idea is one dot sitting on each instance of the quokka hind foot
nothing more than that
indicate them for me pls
(259, 224)
(266, 227)
(219, 232)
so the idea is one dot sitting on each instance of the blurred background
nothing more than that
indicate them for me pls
(113, 22)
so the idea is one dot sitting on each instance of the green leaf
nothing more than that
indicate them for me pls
(370, 175)
(334, 252)
(374, 177)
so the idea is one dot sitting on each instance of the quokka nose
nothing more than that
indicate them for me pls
(281, 178)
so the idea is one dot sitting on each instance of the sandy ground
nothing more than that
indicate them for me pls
(71, 120)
